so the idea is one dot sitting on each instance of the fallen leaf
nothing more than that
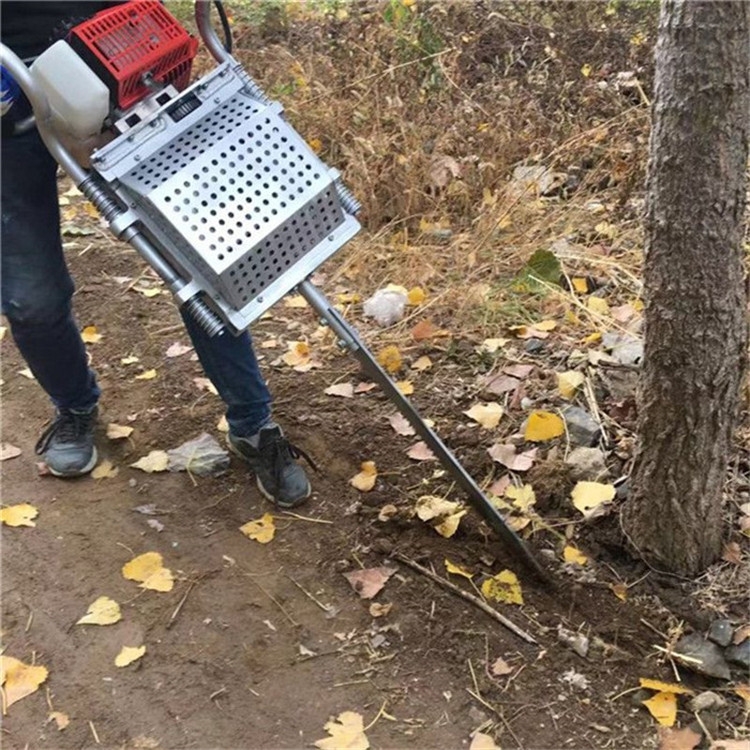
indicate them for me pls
(18, 515)
(380, 610)
(131, 360)
(487, 415)
(8, 451)
(507, 456)
(90, 336)
(365, 480)
(177, 349)
(390, 359)
(679, 739)
(498, 488)
(61, 720)
(499, 384)
(580, 284)
(481, 741)
(222, 425)
(741, 634)
(500, 667)
(154, 461)
(296, 301)
(128, 655)
(732, 553)
(424, 330)
(503, 587)
(543, 426)
(148, 292)
(148, 569)
(348, 298)
(387, 512)
(298, 354)
(420, 452)
(105, 470)
(519, 371)
(146, 375)
(457, 570)
(744, 692)
(490, 346)
(406, 387)
(118, 431)
(432, 506)
(523, 497)
(261, 530)
(598, 306)
(365, 387)
(401, 424)
(369, 581)
(588, 496)
(347, 733)
(26, 373)
(664, 687)
(102, 611)
(575, 556)
(416, 296)
(345, 390)
(620, 590)
(19, 680)
(449, 525)
(569, 382)
(730, 745)
(663, 707)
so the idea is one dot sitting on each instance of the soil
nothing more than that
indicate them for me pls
(257, 646)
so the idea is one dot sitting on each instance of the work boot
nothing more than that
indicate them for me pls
(273, 459)
(67, 445)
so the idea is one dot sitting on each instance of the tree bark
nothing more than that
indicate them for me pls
(695, 292)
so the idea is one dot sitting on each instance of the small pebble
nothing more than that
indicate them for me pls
(706, 701)
(720, 632)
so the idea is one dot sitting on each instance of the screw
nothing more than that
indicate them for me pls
(137, 157)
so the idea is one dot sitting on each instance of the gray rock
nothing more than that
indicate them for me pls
(720, 632)
(582, 428)
(534, 346)
(576, 641)
(739, 655)
(624, 348)
(702, 656)
(706, 701)
(587, 464)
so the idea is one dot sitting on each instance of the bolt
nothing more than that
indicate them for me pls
(330, 238)
(259, 299)
(137, 157)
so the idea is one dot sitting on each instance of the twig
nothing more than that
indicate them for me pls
(29, 621)
(93, 731)
(378, 715)
(325, 607)
(217, 693)
(278, 604)
(182, 601)
(298, 517)
(471, 598)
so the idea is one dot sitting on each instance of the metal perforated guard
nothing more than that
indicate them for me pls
(235, 197)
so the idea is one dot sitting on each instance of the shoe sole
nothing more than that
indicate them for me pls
(70, 474)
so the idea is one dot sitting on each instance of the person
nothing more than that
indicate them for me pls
(36, 292)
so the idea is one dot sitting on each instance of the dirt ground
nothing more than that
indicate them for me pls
(270, 641)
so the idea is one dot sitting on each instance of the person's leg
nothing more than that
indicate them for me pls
(232, 367)
(36, 291)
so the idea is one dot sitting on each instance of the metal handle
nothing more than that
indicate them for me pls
(208, 33)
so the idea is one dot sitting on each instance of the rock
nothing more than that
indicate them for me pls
(582, 427)
(477, 716)
(534, 346)
(704, 656)
(720, 632)
(587, 464)
(739, 655)
(708, 726)
(576, 641)
(624, 348)
(638, 696)
(531, 181)
(706, 701)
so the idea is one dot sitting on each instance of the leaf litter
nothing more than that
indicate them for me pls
(22, 514)
(19, 680)
(369, 582)
(149, 571)
(347, 732)
(102, 611)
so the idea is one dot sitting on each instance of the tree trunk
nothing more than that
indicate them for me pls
(696, 303)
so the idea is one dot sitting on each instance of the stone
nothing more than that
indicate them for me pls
(740, 654)
(624, 348)
(703, 656)
(720, 632)
(587, 464)
(582, 427)
(706, 701)
(534, 346)
(576, 641)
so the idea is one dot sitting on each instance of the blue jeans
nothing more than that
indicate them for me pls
(36, 291)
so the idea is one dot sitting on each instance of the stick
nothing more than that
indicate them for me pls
(325, 607)
(179, 606)
(493, 613)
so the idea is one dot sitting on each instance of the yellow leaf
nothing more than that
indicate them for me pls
(155, 461)
(575, 556)
(118, 431)
(588, 496)
(593, 338)
(572, 318)
(449, 525)
(416, 296)
(586, 70)
(487, 415)
(149, 571)
(580, 284)
(743, 691)
(295, 300)
(131, 360)
(620, 590)
(545, 325)
(102, 611)
(149, 292)
(62, 720)
(665, 687)
(347, 732)
(105, 470)
(262, 530)
(128, 655)
(422, 363)
(663, 707)
(365, 480)
(406, 387)
(315, 144)
(568, 383)
(390, 359)
(298, 354)
(543, 425)
(504, 587)
(348, 298)
(432, 506)
(147, 375)
(523, 497)
(606, 229)
(457, 569)
(90, 336)
(481, 741)
(19, 515)
(490, 346)
(19, 679)
(598, 305)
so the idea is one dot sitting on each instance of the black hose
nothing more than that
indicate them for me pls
(225, 26)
